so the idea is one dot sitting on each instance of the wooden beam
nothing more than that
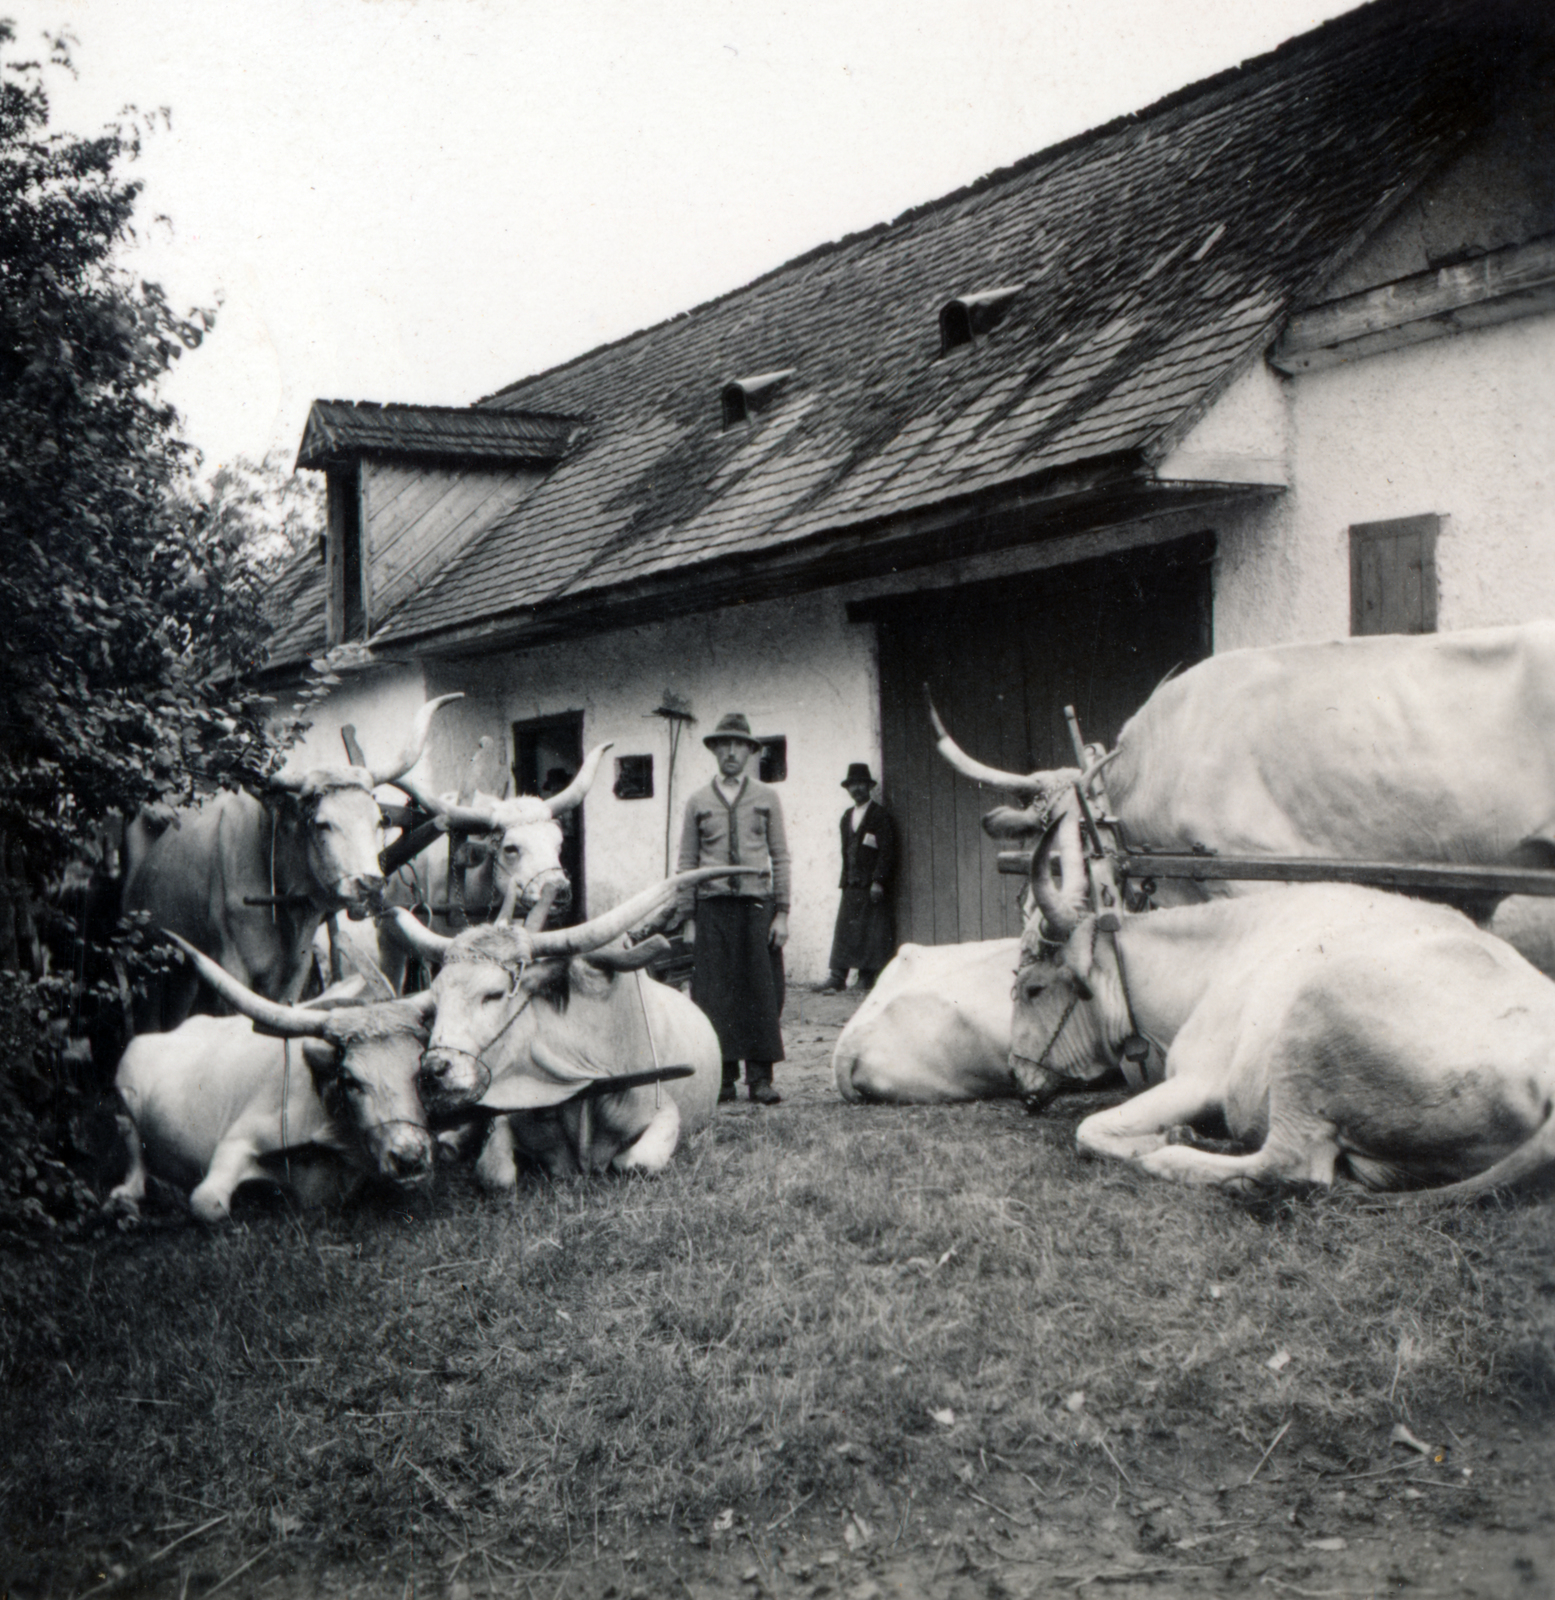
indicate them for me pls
(1518, 281)
(1403, 875)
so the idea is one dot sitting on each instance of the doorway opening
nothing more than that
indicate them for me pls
(547, 753)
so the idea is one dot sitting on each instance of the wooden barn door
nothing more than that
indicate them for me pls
(1002, 660)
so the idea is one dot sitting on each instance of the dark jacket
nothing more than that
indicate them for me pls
(868, 856)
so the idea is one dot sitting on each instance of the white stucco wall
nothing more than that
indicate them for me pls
(1461, 426)
(794, 667)
(381, 704)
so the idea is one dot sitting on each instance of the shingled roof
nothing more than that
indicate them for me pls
(340, 429)
(1155, 258)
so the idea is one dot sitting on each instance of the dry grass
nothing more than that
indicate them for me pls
(780, 1312)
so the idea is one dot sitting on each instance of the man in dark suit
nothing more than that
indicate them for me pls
(865, 936)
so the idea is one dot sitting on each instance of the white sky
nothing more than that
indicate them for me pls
(427, 199)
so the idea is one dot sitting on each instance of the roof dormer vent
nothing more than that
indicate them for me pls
(745, 398)
(969, 316)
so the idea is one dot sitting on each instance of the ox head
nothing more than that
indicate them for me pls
(364, 1060)
(1045, 794)
(337, 821)
(488, 1021)
(524, 840)
(1070, 1015)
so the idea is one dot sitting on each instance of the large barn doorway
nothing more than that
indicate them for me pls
(1002, 660)
(547, 753)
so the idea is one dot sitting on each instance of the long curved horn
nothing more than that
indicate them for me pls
(291, 1022)
(1063, 907)
(1032, 783)
(629, 914)
(421, 939)
(457, 818)
(573, 794)
(417, 742)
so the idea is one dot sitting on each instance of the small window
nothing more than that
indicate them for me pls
(969, 316)
(634, 778)
(1393, 576)
(747, 398)
(774, 759)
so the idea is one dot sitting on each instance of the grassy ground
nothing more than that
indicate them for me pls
(833, 1350)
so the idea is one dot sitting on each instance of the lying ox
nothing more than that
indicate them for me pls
(935, 1027)
(307, 849)
(1335, 1030)
(214, 1103)
(536, 1023)
(1391, 748)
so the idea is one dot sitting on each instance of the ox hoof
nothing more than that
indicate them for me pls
(123, 1207)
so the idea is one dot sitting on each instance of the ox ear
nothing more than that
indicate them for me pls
(323, 1058)
(1010, 822)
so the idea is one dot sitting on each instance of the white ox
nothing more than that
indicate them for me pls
(521, 849)
(935, 1027)
(1430, 748)
(537, 1023)
(214, 1103)
(1337, 1031)
(306, 851)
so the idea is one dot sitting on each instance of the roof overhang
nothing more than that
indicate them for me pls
(1064, 502)
(341, 431)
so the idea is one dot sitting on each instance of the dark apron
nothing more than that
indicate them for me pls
(738, 977)
(865, 936)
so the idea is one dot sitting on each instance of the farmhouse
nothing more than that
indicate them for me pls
(1272, 359)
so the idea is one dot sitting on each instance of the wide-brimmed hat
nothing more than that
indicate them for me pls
(734, 726)
(858, 772)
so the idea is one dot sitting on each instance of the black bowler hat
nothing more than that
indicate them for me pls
(733, 726)
(858, 772)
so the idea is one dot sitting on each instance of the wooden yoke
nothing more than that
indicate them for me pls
(1106, 896)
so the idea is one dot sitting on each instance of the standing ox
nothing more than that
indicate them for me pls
(247, 881)
(1430, 748)
(524, 843)
(1337, 1030)
(537, 1024)
(935, 1027)
(215, 1103)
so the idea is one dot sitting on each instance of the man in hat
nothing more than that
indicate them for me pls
(865, 936)
(737, 927)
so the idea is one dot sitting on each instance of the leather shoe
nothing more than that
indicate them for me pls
(726, 1093)
(765, 1095)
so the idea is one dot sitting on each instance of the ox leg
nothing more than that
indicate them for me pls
(1139, 1127)
(1270, 1167)
(651, 1150)
(496, 1170)
(234, 1162)
(127, 1196)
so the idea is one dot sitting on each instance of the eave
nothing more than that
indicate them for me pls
(1064, 502)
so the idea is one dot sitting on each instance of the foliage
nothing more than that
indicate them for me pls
(125, 606)
(273, 512)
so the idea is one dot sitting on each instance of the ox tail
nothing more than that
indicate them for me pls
(1536, 1154)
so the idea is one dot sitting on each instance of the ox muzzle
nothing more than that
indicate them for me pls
(451, 1077)
(405, 1154)
(361, 894)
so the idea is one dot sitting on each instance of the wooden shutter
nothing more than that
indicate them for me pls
(1393, 576)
